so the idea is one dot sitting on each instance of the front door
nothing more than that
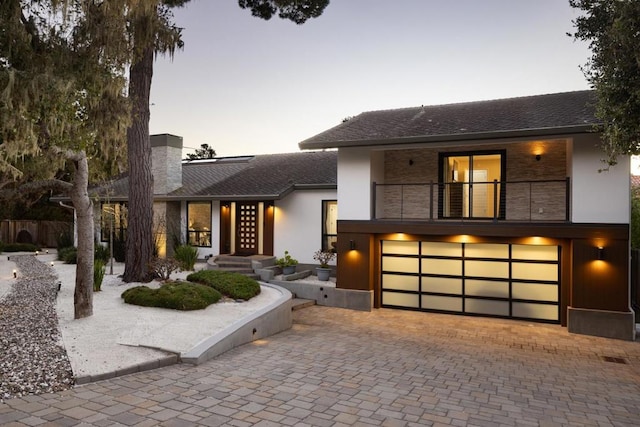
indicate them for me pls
(246, 228)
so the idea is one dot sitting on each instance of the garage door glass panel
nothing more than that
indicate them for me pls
(403, 283)
(532, 271)
(442, 249)
(400, 247)
(535, 311)
(401, 300)
(485, 288)
(486, 269)
(404, 265)
(492, 308)
(450, 267)
(480, 250)
(435, 302)
(441, 285)
(531, 252)
(535, 291)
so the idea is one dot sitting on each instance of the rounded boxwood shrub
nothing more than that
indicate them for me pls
(176, 295)
(232, 285)
(69, 255)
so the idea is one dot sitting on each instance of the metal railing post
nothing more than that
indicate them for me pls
(431, 200)
(373, 200)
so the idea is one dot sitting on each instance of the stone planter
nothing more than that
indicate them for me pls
(289, 269)
(323, 273)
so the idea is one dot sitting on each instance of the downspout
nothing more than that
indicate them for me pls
(75, 229)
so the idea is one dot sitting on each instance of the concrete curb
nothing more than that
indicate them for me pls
(271, 320)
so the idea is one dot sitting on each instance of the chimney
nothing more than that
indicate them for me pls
(166, 161)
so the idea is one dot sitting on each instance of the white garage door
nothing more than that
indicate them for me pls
(504, 280)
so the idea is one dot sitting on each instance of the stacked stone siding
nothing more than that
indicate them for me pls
(535, 189)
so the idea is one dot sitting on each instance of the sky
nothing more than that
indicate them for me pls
(247, 86)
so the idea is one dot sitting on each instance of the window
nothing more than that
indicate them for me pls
(471, 185)
(329, 225)
(199, 224)
(113, 216)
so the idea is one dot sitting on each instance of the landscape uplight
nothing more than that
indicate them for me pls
(15, 273)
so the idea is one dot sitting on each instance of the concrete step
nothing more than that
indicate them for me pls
(300, 303)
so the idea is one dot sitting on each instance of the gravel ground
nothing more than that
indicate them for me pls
(33, 359)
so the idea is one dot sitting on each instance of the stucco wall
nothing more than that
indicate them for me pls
(354, 183)
(601, 197)
(298, 223)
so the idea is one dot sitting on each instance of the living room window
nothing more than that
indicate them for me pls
(113, 217)
(471, 185)
(329, 225)
(199, 224)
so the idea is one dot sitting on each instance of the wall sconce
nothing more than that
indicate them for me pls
(269, 204)
(226, 205)
(538, 157)
(410, 162)
(352, 245)
(600, 253)
(15, 273)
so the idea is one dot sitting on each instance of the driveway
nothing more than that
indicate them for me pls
(338, 367)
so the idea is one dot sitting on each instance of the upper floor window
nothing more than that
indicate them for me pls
(471, 185)
(113, 219)
(199, 223)
(329, 225)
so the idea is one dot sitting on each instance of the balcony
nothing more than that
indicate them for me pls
(517, 201)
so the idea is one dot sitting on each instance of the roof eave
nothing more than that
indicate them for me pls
(457, 137)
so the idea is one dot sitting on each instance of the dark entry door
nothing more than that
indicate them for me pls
(247, 228)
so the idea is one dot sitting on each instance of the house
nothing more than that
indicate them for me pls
(244, 205)
(493, 208)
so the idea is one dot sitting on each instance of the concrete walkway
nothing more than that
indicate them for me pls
(393, 368)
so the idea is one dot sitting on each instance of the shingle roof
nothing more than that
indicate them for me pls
(250, 177)
(541, 114)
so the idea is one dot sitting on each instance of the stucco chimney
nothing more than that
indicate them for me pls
(166, 160)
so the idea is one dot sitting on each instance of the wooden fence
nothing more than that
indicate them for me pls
(42, 233)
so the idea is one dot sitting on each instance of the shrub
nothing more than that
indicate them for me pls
(68, 255)
(163, 267)
(233, 285)
(176, 295)
(64, 240)
(286, 261)
(102, 253)
(186, 256)
(20, 247)
(98, 274)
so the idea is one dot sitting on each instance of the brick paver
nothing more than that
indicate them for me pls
(386, 368)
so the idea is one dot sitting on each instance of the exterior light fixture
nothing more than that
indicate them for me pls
(37, 253)
(51, 263)
(538, 157)
(46, 251)
(15, 273)
(600, 253)
(352, 245)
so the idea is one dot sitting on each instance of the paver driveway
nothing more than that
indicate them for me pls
(388, 367)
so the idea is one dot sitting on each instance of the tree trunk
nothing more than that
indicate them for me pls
(83, 294)
(139, 249)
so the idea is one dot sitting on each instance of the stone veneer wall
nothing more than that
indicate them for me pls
(524, 202)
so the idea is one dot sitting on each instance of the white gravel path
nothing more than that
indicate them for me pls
(117, 336)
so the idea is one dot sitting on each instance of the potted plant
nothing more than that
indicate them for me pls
(323, 272)
(287, 263)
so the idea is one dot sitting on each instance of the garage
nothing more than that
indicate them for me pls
(484, 279)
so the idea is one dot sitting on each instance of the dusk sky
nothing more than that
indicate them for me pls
(248, 86)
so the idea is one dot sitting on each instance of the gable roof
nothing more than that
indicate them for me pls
(553, 114)
(267, 176)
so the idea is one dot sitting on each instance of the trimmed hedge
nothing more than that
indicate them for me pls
(20, 247)
(232, 285)
(176, 295)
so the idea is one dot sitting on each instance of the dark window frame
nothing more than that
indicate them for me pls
(442, 182)
(120, 232)
(324, 238)
(199, 237)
